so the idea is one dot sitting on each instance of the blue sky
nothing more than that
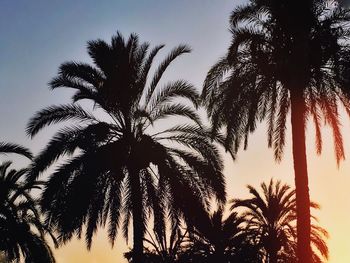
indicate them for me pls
(36, 36)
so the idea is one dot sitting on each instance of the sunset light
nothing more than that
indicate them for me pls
(175, 131)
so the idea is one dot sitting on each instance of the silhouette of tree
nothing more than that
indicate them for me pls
(284, 56)
(215, 239)
(271, 220)
(21, 230)
(122, 165)
(164, 247)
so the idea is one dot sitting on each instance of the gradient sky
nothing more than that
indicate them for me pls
(37, 36)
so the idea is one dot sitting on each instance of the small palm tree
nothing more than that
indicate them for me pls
(271, 220)
(285, 56)
(164, 247)
(215, 239)
(22, 234)
(119, 161)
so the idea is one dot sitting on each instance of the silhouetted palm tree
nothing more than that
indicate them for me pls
(284, 56)
(163, 247)
(22, 234)
(6, 148)
(215, 239)
(271, 220)
(122, 166)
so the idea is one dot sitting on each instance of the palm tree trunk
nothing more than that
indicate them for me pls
(273, 256)
(301, 177)
(273, 249)
(220, 254)
(137, 214)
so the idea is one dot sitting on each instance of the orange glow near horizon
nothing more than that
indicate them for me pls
(328, 187)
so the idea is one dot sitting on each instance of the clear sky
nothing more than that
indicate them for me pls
(37, 36)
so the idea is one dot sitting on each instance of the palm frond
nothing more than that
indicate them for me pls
(176, 52)
(56, 114)
(15, 148)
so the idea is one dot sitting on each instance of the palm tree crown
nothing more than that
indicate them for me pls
(22, 234)
(271, 221)
(117, 164)
(250, 83)
(216, 238)
(6, 148)
(285, 56)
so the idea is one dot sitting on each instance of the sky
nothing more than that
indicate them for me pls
(37, 36)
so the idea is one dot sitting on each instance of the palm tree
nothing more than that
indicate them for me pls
(164, 247)
(14, 148)
(215, 239)
(284, 56)
(119, 161)
(22, 234)
(270, 219)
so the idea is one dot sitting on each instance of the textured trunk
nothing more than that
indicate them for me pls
(301, 178)
(301, 24)
(137, 215)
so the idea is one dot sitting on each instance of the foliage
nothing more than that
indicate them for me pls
(215, 239)
(22, 234)
(285, 56)
(6, 148)
(251, 83)
(270, 218)
(126, 165)
(169, 247)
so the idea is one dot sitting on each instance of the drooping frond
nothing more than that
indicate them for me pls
(176, 110)
(178, 89)
(56, 114)
(76, 75)
(6, 148)
(176, 52)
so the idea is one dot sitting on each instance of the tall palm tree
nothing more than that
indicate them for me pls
(6, 148)
(215, 239)
(22, 233)
(119, 161)
(270, 218)
(285, 56)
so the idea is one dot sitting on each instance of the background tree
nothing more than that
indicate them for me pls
(119, 161)
(164, 248)
(22, 234)
(270, 218)
(285, 56)
(215, 239)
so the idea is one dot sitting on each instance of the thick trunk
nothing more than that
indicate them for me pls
(137, 215)
(272, 248)
(301, 178)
